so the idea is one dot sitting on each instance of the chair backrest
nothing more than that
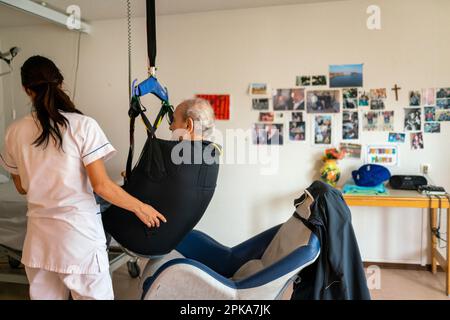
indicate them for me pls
(292, 235)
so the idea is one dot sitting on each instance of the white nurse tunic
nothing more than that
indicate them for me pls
(64, 231)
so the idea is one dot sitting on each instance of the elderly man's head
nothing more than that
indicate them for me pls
(193, 120)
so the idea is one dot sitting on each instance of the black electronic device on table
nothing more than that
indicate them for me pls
(407, 182)
(431, 190)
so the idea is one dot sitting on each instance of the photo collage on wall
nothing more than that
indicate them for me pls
(311, 106)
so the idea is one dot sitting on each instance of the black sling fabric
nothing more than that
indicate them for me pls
(181, 192)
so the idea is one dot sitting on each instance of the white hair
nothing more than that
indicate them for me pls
(201, 112)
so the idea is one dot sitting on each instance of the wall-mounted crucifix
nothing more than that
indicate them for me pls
(396, 88)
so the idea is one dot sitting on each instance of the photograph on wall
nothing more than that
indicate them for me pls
(377, 98)
(387, 121)
(397, 137)
(432, 127)
(259, 134)
(323, 129)
(413, 119)
(443, 103)
(350, 98)
(303, 81)
(346, 76)
(267, 134)
(378, 93)
(319, 80)
(279, 116)
(428, 97)
(350, 125)
(442, 115)
(443, 93)
(289, 99)
(297, 116)
(386, 155)
(430, 114)
(370, 120)
(266, 117)
(415, 98)
(323, 101)
(220, 104)
(363, 98)
(258, 89)
(351, 150)
(417, 141)
(260, 104)
(297, 131)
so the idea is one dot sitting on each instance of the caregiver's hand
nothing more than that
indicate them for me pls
(149, 216)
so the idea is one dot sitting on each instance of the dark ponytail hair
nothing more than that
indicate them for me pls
(41, 76)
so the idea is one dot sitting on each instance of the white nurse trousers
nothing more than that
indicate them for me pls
(47, 285)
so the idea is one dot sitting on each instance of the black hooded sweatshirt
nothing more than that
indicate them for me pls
(338, 272)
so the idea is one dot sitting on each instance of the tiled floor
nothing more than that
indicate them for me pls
(394, 285)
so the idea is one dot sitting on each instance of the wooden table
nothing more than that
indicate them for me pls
(412, 199)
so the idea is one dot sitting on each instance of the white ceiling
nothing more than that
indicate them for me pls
(114, 9)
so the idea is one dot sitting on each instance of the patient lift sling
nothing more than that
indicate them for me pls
(180, 191)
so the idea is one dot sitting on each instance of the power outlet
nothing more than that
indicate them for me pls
(425, 168)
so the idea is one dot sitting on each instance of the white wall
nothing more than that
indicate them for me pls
(223, 52)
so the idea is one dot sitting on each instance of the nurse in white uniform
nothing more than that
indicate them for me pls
(56, 157)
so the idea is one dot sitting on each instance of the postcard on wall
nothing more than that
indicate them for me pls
(377, 99)
(266, 117)
(417, 141)
(289, 99)
(297, 116)
(267, 134)
(443, 103)
(415, 98)
(386, 155)
(220, 104)
(387, 121)
(346, 76)
(363, 98)
(350, 98)
(350, 125)
(428, 97)
(370, 120)
(260, 104)
(323, 101)
(443, 93)
(258, 89)
(303, 81)
(280, 116)
(430, 114)
(352, 150)
(432, 127)
(413, 120)
(397, 137)
(323, 127)
(319, 80)
(297, 131)
(442, 115)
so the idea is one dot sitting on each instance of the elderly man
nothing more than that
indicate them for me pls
(193, 119)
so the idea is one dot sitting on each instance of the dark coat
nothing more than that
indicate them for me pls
(338, 272)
